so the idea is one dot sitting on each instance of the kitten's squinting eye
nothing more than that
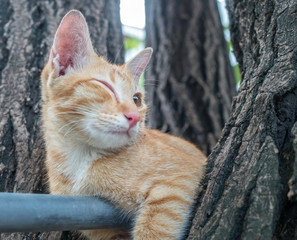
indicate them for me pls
(137, 100)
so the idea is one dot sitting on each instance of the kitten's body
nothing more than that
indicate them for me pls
(97, 144)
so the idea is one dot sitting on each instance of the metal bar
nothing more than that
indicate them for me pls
(20, 212)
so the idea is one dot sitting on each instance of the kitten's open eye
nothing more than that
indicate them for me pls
(137, 100)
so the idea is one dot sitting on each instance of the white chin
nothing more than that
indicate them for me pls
(111, 140)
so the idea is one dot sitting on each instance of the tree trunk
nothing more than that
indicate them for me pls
(245, 192)
(27, 29)
(189, 81)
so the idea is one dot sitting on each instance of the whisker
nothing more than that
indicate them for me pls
(71, 129)
(69, 112)
(69, 123)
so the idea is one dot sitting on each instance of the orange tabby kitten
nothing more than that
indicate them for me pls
(97, 144)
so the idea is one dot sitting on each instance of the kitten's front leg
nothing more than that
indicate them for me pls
(163, 215)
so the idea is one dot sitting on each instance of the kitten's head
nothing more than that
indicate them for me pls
(86, 99)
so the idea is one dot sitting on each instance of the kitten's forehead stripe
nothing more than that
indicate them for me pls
(112, 75)
(121, 75)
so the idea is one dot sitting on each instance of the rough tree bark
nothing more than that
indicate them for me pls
(27, 29)
(189, 82)
(245, 193)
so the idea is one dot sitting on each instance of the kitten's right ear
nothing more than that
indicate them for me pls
(72, 44)
(138, 63)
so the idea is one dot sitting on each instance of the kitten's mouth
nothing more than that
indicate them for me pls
(115, 132)
(119, 133)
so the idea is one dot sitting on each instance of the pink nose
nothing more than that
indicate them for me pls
(132, 118)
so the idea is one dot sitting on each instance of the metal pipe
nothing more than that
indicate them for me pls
(21, 212)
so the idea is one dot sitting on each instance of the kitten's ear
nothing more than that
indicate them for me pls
(72, 44)
(138, 63)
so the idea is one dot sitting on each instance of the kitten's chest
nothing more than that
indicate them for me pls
(112, 179)
(76, 165)
(90, 174)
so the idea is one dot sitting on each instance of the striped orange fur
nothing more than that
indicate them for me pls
(93, 121)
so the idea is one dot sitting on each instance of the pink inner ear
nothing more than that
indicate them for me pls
(71, 41)
(139, 71)
(64, 62)
(65, 48)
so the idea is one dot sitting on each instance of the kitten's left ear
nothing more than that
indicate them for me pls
(138, 63)
(72, 44)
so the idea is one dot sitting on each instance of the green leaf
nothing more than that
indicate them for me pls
(236, 73)
(131, 42)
